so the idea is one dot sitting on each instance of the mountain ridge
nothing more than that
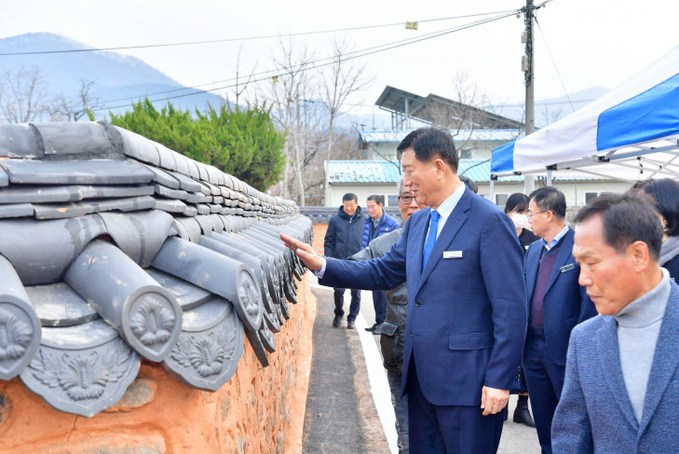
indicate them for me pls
(115, 76)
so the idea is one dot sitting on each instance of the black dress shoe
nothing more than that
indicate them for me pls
(372, 328)
(336, 321)
(522, 414)
(351, 324)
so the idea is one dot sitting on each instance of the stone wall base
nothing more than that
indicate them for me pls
(260, 410)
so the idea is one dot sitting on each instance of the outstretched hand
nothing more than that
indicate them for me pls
(304, 251)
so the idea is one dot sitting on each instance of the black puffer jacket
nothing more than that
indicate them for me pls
(344, 234)
(394, 326)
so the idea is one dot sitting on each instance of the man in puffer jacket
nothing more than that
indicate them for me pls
(377, 224)
(393, 327)
(343, 239)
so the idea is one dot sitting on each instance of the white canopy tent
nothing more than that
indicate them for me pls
(629, 134)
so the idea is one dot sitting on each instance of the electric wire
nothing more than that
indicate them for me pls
(551, 57)
(250, 38)
(318, 63)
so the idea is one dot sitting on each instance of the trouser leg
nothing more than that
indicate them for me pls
(339, 301)
(355, 305)
(380, 305)
(400, 410)
(541, 389)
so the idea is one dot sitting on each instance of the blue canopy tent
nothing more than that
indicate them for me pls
(629, 134)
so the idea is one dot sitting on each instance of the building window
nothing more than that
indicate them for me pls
(392, 200)
(501, 199)
(591, 195)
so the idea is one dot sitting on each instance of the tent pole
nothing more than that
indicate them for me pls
(549, 177)
(491, 196)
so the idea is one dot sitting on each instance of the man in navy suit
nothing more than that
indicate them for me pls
(621, 392)
(555, 304)
(465, 325)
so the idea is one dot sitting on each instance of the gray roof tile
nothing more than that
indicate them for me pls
(81, 369)
(68, 140)
(18, 210)
(4, 178)
(59, 305)
(116, 199)
(20, 141)
(75, 172)
(134, 145)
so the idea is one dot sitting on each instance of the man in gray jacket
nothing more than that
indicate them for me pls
(393, 327)
(621, 392)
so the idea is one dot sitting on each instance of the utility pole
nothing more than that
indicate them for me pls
(527, 66)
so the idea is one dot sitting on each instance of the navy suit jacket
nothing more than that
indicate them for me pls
(565, 303)
(595, 413)
(466, 318)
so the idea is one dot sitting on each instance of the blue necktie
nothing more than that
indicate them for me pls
(431, 238)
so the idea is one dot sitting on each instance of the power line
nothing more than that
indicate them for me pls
(322, 62)
(225, 40)
(554, 63)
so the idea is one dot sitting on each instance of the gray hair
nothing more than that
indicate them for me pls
(399, 184)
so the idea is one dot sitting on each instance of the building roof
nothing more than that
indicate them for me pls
(115, 248)
(427, 108)
(376, 172)
(363, 172)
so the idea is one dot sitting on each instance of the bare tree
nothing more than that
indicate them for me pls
(23, 95)
(338, 82)
(240, 87)
(73, 109)
(288, 92)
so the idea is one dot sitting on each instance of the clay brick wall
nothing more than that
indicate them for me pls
(260, 410)
(319, 236)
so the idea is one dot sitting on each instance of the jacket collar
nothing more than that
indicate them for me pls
(455, 221)
(665, 358)
(609, 356)
(344, 215)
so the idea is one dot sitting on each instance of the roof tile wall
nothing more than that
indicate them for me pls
(115, 248)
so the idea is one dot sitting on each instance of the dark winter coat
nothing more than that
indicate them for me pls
(386, 224)
(343, 237)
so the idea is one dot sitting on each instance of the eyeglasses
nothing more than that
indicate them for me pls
(405, 199)
(530, 215)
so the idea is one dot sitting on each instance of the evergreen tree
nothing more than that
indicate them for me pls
(241, 142)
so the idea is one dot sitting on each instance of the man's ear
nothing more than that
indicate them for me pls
(440, 165)
(640, 254)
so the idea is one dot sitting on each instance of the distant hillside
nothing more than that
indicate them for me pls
(118, 79)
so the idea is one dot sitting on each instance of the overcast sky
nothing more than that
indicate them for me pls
(592, 42)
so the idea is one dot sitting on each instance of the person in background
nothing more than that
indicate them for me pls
(393, 328)
(665, 193)
(517, 209)
(342, 239)
(556, 302)
(471, 184)
(377, 223)
(621, 393)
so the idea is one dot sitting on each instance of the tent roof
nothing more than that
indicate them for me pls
(628, 134)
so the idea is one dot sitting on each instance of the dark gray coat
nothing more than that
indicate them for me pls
(394, 326)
